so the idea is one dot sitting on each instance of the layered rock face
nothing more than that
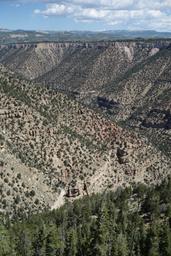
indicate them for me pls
(52, 148)
(87, 59)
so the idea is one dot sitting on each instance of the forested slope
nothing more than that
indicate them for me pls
(131, 222)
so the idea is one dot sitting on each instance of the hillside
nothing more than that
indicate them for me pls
(129, 81)
(52, 148)
(66, 64)
(144, 99)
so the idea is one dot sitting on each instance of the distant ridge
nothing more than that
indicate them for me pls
(16, 36)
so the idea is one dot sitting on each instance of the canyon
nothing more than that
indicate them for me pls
(81, 117)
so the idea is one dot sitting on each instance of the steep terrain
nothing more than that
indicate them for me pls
(129, 81)
(52, 147)
(144, 99)
(77, 65)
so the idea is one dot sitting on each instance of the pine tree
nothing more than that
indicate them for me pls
(103, 235)
(71, 243)
(6, 245)
(165, 240)
(120, 246)
(39, 241)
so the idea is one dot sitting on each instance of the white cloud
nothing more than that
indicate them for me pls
(131, 14)
(56, 9)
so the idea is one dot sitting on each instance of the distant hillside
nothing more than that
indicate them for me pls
(20, 36)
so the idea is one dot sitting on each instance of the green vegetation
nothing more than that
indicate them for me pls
(134, 221)
(84, 140)
(115, 86)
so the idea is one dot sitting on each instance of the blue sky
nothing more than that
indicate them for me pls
(86, 14)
